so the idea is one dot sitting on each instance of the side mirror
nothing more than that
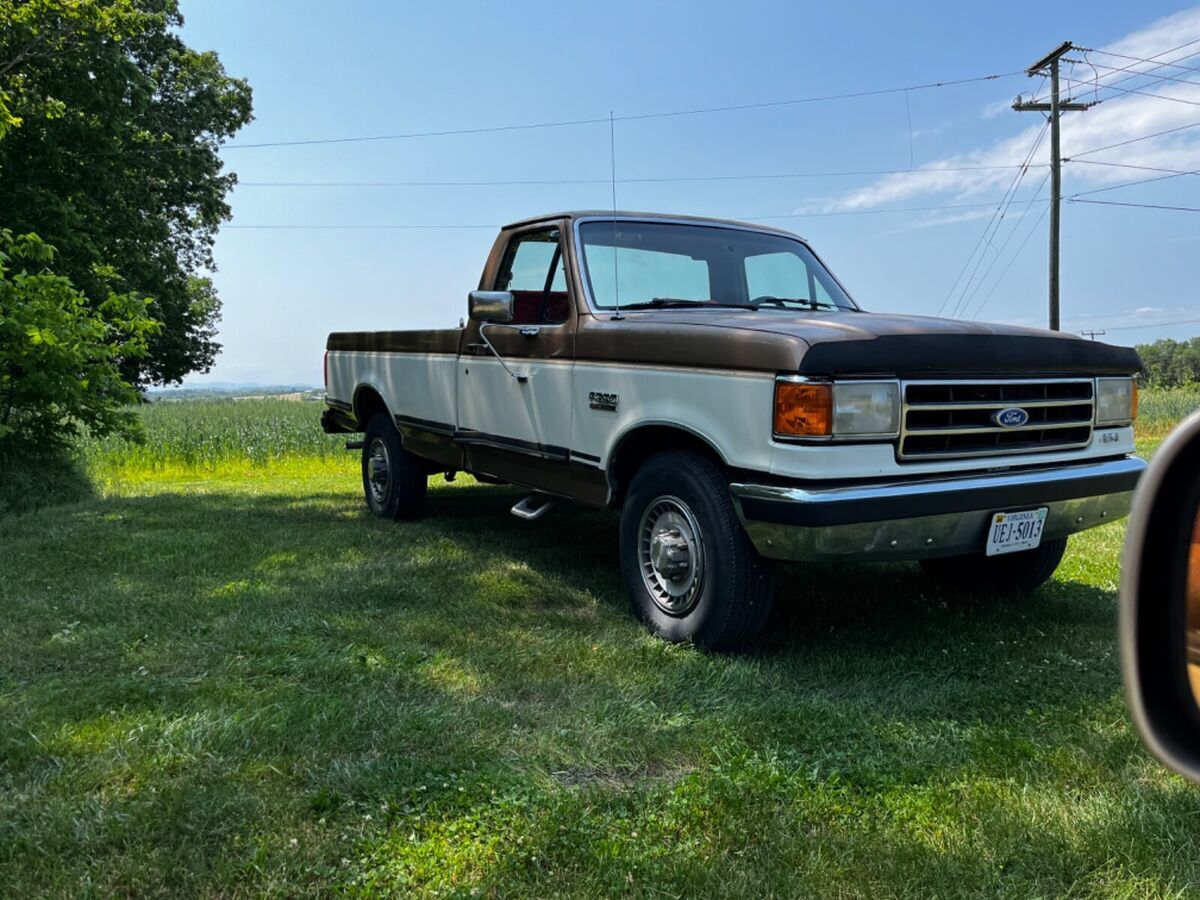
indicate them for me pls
(490, 306)
(1160, 602)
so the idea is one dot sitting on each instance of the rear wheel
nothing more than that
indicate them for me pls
(690, 570)
(1020, 572)
(394, 481)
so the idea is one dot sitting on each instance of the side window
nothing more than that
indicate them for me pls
(532, 270)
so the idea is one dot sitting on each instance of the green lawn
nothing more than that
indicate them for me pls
(228, 679)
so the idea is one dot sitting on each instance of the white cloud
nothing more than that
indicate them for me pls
(1119, 118)
(996, 108)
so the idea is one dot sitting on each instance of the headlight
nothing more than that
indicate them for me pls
(866, 407)
(850, 408)
(1116, 401)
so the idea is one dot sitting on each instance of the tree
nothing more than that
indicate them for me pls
(1171, 363)
(59, 352)
(110, 128)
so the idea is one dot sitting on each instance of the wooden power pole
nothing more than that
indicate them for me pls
(1055, 108)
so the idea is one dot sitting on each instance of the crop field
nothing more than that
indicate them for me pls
(220, 676)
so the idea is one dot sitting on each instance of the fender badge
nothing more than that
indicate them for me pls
(602, 400)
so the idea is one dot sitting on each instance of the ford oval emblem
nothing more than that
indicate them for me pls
(1013, 417)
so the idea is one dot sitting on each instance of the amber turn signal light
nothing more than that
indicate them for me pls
(803, 409)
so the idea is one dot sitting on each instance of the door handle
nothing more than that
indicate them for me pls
(530, 331)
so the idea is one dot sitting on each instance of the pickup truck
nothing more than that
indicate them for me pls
(715, 382)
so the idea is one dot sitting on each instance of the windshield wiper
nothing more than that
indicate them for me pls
(781, 301)
(677, 302)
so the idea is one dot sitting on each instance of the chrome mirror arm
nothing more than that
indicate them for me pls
(521, 379)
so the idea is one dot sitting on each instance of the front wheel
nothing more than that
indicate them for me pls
(394, 481)
(1020, 572)
(690, 570)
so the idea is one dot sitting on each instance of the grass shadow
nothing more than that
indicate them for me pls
(32, 477)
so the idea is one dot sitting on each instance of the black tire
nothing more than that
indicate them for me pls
(727, 607)
(1012, 572)
(398, 491)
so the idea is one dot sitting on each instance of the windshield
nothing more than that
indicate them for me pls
(649, 265)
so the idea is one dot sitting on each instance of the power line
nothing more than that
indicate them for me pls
(999, 280)
(1111, 87)
(1140, 205)
(1144, 137)
(646, 180)
(807, 215)
(1155, 62)
(1000, 252)
(987, 229)
(626, 118)
(1136, 74)
(1153, 325)
(1125, 184)
(890, 209)
(1151, 61)
(1120, 165)
(966, 298)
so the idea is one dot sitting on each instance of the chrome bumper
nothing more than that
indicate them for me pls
(928, 517)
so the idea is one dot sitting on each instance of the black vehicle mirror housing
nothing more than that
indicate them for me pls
(490, 306)
(1160, 603)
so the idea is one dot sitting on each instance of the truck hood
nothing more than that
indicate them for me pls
(875, 344)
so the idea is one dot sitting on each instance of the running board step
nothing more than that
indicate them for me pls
(532, 507)
(354, 445)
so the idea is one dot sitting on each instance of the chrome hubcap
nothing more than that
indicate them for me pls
(379, 475)
(671, 553)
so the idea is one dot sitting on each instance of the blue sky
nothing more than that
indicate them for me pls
(375, 69)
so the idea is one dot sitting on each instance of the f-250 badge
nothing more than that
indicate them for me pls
(601, 400)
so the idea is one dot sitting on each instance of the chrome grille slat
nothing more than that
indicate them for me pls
(1049, 426)
(1025, 404)
(950, 419)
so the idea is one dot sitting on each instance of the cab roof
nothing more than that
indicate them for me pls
(571, 215)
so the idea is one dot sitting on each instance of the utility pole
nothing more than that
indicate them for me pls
(1055, 108)
(1093, 334)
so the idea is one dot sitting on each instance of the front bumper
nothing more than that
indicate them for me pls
(928, 517)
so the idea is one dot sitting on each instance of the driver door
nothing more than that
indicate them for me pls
(501, 420)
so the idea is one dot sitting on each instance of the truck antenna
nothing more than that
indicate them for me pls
(612, 169)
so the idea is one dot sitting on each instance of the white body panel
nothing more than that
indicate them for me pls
(731, 411)
(536, 412)
(420, 385)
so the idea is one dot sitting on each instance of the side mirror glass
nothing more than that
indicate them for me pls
(490, 306)
(1160, 602)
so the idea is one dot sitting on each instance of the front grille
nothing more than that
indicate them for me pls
(945, 419)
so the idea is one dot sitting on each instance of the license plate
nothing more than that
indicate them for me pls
(1012, 532)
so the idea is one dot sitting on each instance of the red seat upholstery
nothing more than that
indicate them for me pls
(527, 307)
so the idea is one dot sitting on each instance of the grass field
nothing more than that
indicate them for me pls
(220, 676)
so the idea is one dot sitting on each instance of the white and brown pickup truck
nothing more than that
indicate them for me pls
(715, 382)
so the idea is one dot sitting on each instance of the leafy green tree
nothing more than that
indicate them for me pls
(1171, 363)
(110, 130)
(60, 353)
